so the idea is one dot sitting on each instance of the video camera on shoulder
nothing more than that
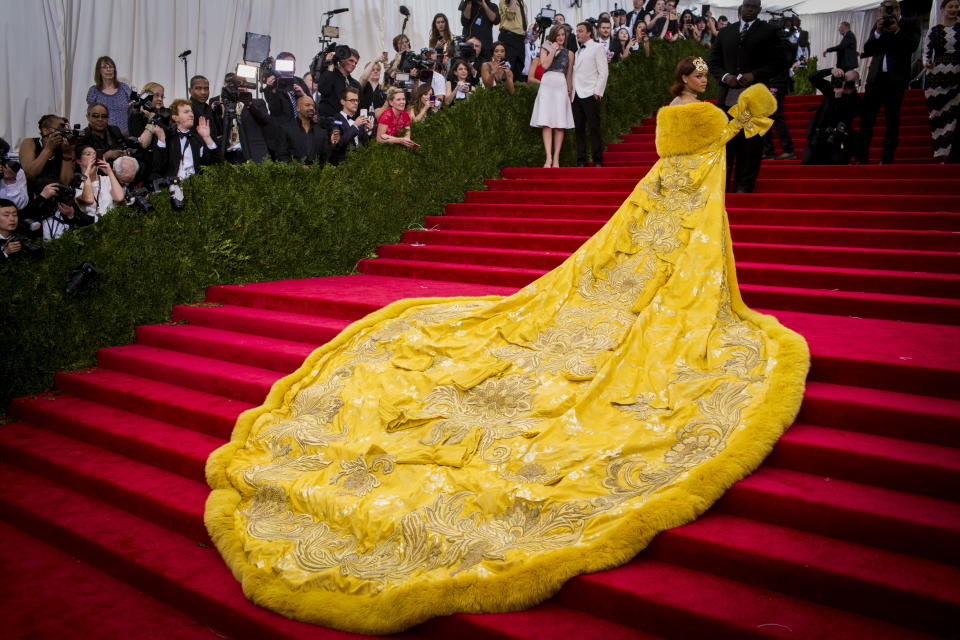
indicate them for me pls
(546, 18)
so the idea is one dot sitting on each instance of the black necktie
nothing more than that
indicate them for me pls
(744, 29)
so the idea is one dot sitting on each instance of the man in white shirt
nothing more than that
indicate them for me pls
(589, 81)
(184, 156)
(354, 130)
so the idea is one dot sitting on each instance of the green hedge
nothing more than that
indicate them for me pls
(275, 221)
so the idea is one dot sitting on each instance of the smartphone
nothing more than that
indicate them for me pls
(363, 112)
(704, 9)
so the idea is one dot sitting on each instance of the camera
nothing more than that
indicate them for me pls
(888, 17)
(320, 63)
(82, 279)
(463, 49)
(26, 245)
(70, 136)
(160, 116)
(9, 163)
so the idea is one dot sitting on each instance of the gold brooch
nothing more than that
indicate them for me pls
(699, 64)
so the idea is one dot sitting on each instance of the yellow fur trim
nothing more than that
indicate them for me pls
(705, 120)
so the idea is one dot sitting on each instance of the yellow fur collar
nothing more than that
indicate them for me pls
(688, 128)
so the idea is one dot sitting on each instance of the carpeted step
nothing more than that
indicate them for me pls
(625, 186)
(282, 356)
(75, 604)
(241, 382)
(682, 603)
(777, 216)
(183, 572)
(172, 448)
(909, 148)
(880, 461)
(738, 200)
(900, 589)
(870, 305)
(629, 159)
(300, 327)
(798, 132)
(791, 275)
(879, 412)
(204, 412)
(903, 522)
(313, 295)
(162, 497)
(881, 248)
(773, 170)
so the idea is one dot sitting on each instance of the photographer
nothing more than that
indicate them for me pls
(891, 45)
(331, 83)
(283, 90)
(189, 148)
(513, 29)
(373, 90)
(497, 71)
(243, 121)
(14, 185)
(126, 169)
(49, 158)
(107, 139)
(304, 139)
(401, 43)
(100, 186)
(354, 131)
(56, 210)
(140, 115)
(13, 246)
(831, 138)
(477, 18)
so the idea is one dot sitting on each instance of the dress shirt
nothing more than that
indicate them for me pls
(16, 192)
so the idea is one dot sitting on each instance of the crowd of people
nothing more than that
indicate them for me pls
(133, 143)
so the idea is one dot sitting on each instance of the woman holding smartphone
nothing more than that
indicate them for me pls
(497, 70)
(422, 103)
(552, 112)
(100, 185)
(458, 84)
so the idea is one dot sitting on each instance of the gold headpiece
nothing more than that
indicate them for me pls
(699, 64)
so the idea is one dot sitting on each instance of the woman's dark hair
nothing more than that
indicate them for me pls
(454, 64)
(415, 97)
(494, 46)
(98, 78)
(435, 35)
(684, 68)
(686, 12)
(397, 40)
(943, 4)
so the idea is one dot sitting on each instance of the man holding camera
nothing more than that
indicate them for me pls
(14, 185)
(331, 83)
(107, 139)
(181, 151)
(283, 90)
(304, 138)
(831, 138)
(243, 120)
(50, 157)
(513, 30)
(477, 18)
(13, 247)
(355, 131)
(891, 45)
(55, 210)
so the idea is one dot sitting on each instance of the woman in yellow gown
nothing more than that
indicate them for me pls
(473, 454)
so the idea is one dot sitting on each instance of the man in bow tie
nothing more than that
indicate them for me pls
(745, 53)
(180, 152)
(589, 81)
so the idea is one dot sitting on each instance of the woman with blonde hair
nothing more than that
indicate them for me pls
(551, 110)
(394, 124)
(109, 91)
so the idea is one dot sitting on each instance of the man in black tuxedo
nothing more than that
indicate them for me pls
(303, 139)
(180, 151)
(354, 131)
(745, 53)
(846, 51)
(244, 137)
(891, 45)
(199, 103)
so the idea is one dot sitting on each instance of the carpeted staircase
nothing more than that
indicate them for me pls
(851, 528)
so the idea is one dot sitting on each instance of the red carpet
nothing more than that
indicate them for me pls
(848, 530)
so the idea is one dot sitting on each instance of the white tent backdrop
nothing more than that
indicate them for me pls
(51, 45)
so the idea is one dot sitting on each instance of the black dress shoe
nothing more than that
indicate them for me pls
(742, 190)
(786, 155)
(597, 164)
(769, 156)
(581, 164)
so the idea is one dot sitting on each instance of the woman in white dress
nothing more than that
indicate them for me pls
(552, 111)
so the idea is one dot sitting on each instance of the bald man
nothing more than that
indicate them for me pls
(304, 139)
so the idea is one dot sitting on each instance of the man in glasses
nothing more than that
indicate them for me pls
(354, 130)
(102, 136)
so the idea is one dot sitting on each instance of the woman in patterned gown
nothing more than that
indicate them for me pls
(472, 454)
(941, 56)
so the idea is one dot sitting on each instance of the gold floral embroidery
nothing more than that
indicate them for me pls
(358, 475)
(311, 411)
(496, 407)
(571, 348)
(532, 473)
(641, 409)
(619, 284)
(283, 469)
